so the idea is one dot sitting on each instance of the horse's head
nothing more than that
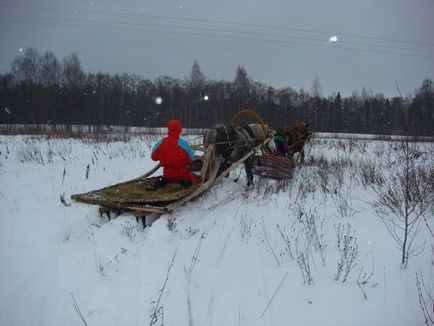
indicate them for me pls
(303, 128)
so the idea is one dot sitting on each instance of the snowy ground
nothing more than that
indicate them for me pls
(263, 256)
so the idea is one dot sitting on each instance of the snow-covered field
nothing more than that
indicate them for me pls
(268, 255)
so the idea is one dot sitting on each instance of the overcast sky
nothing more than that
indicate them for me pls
(347, 44)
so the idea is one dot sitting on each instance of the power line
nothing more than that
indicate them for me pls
(212, 30)
(208, 21)
(215, 36)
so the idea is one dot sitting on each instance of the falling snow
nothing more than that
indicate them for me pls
(333, 38)
(158, 100)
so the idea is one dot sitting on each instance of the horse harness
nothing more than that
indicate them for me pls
(246, 135)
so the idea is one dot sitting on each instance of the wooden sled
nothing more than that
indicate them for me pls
(273, 166)
(136, 196)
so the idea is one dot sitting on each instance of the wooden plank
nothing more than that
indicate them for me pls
(208, 155)
(203, 188)
(213, 179)
(241, 160)
(77, 197)
(147, 174)
(146, 209)
(170, 207)
(197, 148)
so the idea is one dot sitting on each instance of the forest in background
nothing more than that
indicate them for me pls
(42, 89)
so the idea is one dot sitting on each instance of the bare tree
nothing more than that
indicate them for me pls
(26, 68)
(195, 84)
(72, 72)
(242, 84)
(49, 73)
(407, 194)
(425, 293)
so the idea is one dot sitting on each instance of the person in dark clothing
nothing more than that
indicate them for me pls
(281, 142)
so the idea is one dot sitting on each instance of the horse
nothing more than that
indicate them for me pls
(298, 135)
(234, 143)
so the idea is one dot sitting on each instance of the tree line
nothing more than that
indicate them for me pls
(42, 89)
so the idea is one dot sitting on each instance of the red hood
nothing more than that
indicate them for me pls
(174, 128)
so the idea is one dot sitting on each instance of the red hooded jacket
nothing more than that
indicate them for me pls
(174, 154)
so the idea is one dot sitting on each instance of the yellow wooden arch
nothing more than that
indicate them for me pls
(254, 114)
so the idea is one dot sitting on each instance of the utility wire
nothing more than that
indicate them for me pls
(331, 46)
(208, 21)
(213, 30)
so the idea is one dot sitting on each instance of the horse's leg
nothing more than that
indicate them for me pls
(302, 156)
(248, 166)
(302, 151)
(223, 167)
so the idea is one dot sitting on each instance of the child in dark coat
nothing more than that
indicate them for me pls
(281, 142)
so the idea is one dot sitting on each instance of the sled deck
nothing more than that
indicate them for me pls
(141, 195)
(136, 193)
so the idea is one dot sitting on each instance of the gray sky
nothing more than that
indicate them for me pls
(281, 43)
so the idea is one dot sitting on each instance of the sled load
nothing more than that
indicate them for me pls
(273, 166)
(224, 148)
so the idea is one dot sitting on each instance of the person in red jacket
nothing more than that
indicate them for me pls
(174, 155)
